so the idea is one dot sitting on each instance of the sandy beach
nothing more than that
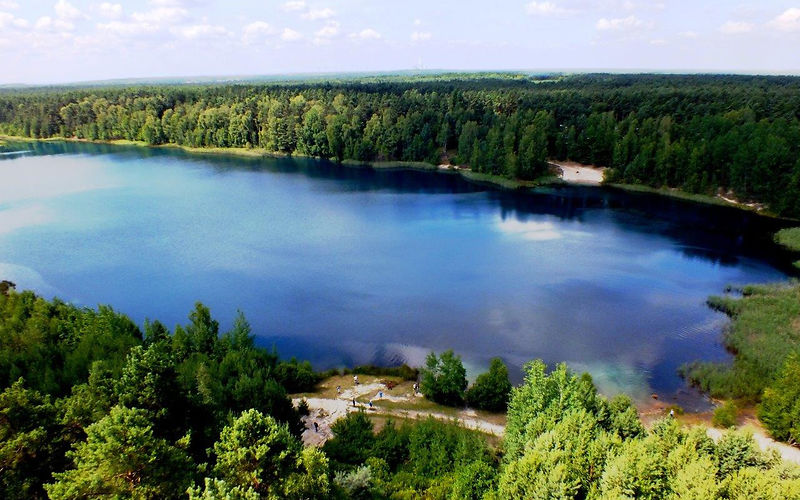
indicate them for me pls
(576, 173)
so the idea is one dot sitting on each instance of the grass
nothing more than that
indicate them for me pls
(764, 329)
(505, 182)
(790, 239)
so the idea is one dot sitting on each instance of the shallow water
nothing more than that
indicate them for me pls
(346, 266)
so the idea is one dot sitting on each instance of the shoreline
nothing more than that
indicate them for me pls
(478, 178)
(481, 179)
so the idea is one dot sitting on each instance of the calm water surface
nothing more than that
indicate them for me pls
(346, 266)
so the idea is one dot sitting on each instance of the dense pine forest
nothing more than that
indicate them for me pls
(93, 407)
(700, 133)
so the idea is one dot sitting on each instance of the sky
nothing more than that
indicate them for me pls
(55, 41)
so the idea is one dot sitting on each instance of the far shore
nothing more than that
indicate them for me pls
(562, 172)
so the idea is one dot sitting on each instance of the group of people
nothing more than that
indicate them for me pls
(355, 403)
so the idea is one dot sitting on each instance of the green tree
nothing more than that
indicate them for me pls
(353, 439)
(780, 404)
(444, 379)
(492, 389)
(122, 458)
(31, 443)
(257, 452)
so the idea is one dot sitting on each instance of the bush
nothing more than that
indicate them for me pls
(492, 389)
(725, 415)
(780, 405)
(444, 379)
(353, 439)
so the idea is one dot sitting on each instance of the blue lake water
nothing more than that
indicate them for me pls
(346, 266)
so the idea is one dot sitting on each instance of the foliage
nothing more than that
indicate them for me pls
(79, 363)
(780, 406)
(353, 439)
(257, 452)
(789, 238)
(31, 442)
(562, 442)
(444, 379)
(725, 415)
(356, 483)
(492, 389)
(122, 457)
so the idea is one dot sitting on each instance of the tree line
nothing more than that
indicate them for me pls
(699, 133)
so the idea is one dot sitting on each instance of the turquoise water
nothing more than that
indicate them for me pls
(345, 266)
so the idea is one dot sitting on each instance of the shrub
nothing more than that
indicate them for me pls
(725, 415)
(780, 405)
(353, 439)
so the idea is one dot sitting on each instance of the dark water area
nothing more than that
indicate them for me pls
(346, 266)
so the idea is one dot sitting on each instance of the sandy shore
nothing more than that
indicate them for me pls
(576, 173)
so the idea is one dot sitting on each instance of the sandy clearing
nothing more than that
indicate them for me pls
(325, 411)
(576, 173)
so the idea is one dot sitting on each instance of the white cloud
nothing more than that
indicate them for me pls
(8, 19)
(200, 31)
(172, 3)
(110, 10)
(547, 9)
(294, 5)
(47, 23)
(658, 42)
(736, 28)
(417, 22)
(789, 20)
(329, 31)
(688, 34)
(66, 10)
(256, 31)
(290, 35)
(629, 23)
(419, 36)
(161, 15)
(9, 4)
(366, 34)
(125, 29)
(315, 14)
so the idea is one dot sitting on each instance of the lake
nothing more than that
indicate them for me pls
(346, 266)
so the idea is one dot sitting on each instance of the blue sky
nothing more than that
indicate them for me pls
(45, 41)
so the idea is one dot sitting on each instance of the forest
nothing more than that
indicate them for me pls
(708, 134)
(92, 406)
